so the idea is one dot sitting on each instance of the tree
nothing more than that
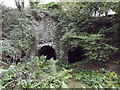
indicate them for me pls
(20, 4)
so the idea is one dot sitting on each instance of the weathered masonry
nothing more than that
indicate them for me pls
(47, 44)
(45, 38)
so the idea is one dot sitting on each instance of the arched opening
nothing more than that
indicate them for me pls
(76, 54)
(47, 51)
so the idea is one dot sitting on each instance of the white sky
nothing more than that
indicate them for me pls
(11, 3)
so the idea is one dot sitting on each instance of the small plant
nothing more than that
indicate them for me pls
(101, 78)
(35, 74)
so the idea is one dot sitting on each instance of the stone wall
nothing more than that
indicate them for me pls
(45, 34)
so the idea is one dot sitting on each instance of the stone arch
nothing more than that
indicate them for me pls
(76, 54)
(47, 51)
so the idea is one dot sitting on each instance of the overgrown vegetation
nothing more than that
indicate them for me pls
(35, 74)
(85, 24)
(80, 27)
(18, 38)
(97, 79)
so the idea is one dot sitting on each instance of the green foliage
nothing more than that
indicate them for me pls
(112, 34)
(21, 37)
(7, 51)
(53, 5)
(35, 74)
(93, 44)
(97, 79)
(40, 11)
(79, 26)
(22, 34)
(6, 47)
(115, 7)
(9, 17)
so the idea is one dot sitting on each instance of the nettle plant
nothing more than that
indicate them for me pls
(94, 45)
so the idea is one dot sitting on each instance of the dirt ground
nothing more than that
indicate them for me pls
(95, 65)
(73, 84)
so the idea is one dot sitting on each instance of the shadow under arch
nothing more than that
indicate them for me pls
(76, 54)
(47, 51)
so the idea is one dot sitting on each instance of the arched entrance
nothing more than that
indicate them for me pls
(76, 54)
(47, 51)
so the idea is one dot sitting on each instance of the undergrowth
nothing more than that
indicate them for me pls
(35, 74)
(97, 79)
(38, 73)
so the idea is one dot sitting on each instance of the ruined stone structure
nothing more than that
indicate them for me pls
(47, 44)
